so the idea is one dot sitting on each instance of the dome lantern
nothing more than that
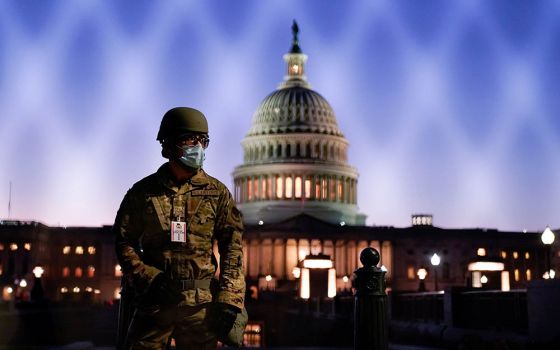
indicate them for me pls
(295, 61)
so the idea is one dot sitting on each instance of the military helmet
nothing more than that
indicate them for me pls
(179, 121)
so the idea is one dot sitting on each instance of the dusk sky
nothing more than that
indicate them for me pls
(451, 108)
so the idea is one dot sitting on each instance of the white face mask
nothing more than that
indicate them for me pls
(193, 156)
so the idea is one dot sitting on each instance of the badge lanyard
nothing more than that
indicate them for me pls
(178, 223)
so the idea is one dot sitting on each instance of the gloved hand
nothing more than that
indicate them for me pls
(164, 292)
(222, 317)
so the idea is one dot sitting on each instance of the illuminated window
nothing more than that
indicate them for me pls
(528, 274)
(66, 250)
(527, 256)
(118, 271)
(279, 189)
(13, 246)
(324, 189)
(516, 275)
(481, 252)
(515, 255)
(297, 193)
(268, 187)
(27, 246)
(339, 190)
(249, 190)
(264, 189)
(289, 187)
(78, 272)
(65, 271)
(252, 336)
(332, 186)
(90, 271)
(117, 293)
(256, 189)
(317, 190)
(1, 247)
(503, 254)
(79, 250)
(410, 272)
(1, 270)
(91, 250)
(294, 69)
(307, 188)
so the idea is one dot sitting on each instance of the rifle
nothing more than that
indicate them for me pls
(127, 307)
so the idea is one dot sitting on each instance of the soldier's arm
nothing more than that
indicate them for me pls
(127, 230)
(229, 231)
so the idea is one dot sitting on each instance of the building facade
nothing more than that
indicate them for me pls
(298, 195)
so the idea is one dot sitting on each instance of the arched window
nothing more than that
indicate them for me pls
(263, 152)
(256, 188)
(339, 190)
(308, 150)
(298, 150)
(288, 150)
(331, 154)
(249, 189)
(270, 151)
(279, 187)
(317, 151)
(308, 188)
(325, 150)
(278, 150)
(289, 187)
(297, 192)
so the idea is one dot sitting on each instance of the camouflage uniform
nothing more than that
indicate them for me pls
(144, 249)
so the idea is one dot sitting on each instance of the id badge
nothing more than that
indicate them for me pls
(178, 231)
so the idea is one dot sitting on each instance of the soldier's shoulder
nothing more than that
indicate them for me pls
(214, 182)
(147, 183)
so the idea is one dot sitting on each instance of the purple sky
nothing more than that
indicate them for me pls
(451, 108)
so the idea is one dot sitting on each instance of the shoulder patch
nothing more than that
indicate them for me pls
(205, 193)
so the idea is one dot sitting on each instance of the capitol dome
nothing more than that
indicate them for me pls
(295, 156)
(292, 110)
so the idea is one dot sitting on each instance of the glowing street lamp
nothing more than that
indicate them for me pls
(422, 273)
(37, 292)
(547, 238)
(435, 260)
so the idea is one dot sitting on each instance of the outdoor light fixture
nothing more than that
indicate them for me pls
(268, 278)
(435, 260)
(296, 271)
(483, 279)
(547, 238)
(422, 273)
(23, 283)
(38, 271)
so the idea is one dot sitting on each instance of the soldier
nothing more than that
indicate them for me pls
(165, 229)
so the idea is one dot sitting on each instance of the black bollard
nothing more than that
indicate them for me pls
(370, 304)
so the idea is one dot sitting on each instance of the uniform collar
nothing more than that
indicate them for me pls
(200, 178)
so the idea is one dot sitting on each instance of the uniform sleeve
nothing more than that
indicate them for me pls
(127, 230)
(229, 231)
